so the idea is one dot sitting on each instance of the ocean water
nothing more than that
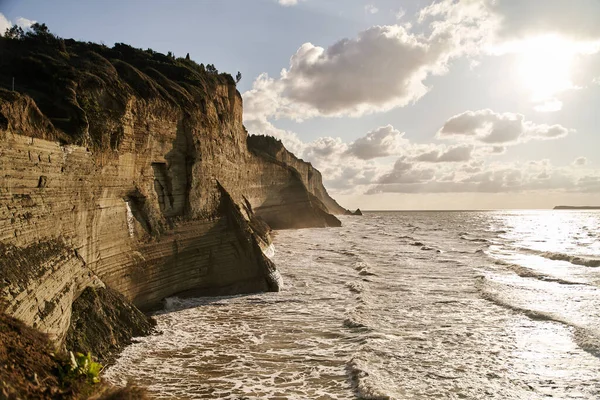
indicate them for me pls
(396, 305)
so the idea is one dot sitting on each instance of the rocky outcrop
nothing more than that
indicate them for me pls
(103, 322)
(272, 149)
(128, 170)
(31, 368)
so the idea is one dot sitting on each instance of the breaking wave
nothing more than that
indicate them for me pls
(577, 260)
(585, 338)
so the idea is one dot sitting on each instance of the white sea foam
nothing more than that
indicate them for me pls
(366, 314)
(269, 251)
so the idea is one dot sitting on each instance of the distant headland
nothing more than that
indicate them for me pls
(577, 208)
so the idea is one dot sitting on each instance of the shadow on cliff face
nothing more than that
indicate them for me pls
(293, 207)
(303, 202)
(218, 257)
(173, 181)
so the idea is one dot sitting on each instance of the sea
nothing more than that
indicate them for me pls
(396, 305)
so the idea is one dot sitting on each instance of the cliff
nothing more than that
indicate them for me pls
(129, 171)
(271, 149)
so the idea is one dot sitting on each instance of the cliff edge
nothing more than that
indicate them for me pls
(130, 172)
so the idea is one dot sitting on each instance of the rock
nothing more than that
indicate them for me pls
(357, 212)
(30, 368)
(103, 323)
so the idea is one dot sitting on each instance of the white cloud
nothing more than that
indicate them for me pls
(474, 64)
(577, 20)
(512, 21)
(548, 37)
(287, 3)
(493, 178)
(405, 172)
(289, 139)
(371, 9)
(486, 126)
(400, 14)
(326, 148)
(381, 142)
(4, 24)
(580, 161)
(549, 106)
(382, 68)
(24, 22)
(385, 67)
(356, 167)
(459, 153)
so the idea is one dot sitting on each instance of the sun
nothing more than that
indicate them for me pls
(545, 66)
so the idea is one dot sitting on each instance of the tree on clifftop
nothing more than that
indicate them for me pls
(238, 77)
(14, 32)
(211, 69)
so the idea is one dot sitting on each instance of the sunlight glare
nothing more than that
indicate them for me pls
(545, 66)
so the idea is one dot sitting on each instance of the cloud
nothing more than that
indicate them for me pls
(24, 22)
(494, 178)
(371, 9)
(358, 166)
(325, 148)
(520, 19)
(400, 14)
(386, 67)
(499, 129)
(382, 68)
(290, 140)
(516, 20)
(287, 3)
(453, 154)
(580, 161)
(381, 142)
(4, 24)
(550, 105)
(404, 171)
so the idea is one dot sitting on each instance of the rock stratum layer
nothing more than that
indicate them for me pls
(131, 172)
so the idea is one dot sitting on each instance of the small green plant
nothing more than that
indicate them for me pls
(84, 365)
(81, 365)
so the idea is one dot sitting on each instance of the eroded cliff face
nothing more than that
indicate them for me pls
(137, 182)
(272, 149)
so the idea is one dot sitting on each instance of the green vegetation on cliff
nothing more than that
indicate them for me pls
(82, 87)
(30, 368)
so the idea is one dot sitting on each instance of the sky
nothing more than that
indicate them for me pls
(446, 104)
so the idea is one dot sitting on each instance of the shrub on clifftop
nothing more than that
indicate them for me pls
(83, 88)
